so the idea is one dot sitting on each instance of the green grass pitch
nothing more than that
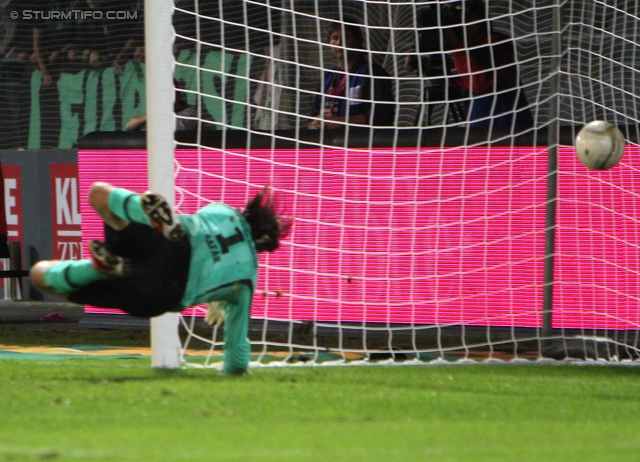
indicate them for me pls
(123, 410)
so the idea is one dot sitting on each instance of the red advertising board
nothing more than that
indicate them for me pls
(65, 208)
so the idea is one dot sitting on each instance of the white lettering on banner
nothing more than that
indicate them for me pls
(67, 210)
(64, 233)
(10, 185)
(70, 250)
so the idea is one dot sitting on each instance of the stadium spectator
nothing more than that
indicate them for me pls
(488, 73)
(441, 90)
(154, 262)
(30, 40)
(354, 91)
(132, 50)
(87, 37)
(17, 42)
(94, 35)
(128, 43)
(7, 26)
(53, 38)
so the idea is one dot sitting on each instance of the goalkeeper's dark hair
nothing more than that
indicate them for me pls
(267, 225)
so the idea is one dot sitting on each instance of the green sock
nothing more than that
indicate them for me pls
(127, 205)
(71, 275)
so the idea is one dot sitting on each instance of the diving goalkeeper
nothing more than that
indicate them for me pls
(153, 261)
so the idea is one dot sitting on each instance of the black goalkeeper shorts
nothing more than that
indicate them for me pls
(158, 277)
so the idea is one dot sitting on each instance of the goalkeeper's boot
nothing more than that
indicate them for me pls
(161, 216)
(107, 263)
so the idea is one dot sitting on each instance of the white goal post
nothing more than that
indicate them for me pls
(460, 228)
(159, 39)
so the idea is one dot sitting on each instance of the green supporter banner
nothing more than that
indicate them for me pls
(103, 100)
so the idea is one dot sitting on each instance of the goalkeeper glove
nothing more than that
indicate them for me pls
(215, 315)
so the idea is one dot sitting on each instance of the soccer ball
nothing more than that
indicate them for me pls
(599, 145)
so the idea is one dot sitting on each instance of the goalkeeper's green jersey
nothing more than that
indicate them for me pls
(224, 267)
(222, 252)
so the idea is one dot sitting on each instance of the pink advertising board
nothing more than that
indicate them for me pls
(425, 236)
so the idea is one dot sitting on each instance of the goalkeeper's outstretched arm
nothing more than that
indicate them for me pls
(235, 301)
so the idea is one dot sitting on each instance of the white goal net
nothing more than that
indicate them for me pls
(441, 213)
(422, 235)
